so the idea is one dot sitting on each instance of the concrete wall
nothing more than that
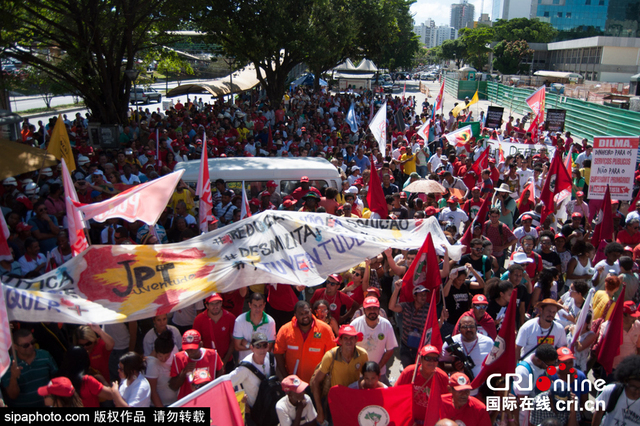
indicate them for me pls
(620, 55)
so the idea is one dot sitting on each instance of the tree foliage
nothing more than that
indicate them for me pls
(88, 44)
(477, 45)
(454, 50)
(530, 30)
(508, 56)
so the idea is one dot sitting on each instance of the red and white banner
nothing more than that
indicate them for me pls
(536, 102)
(5, 336)
(220, 398)
(144, 202)
(390, 406)
(77, 237)
(614, 163)
(423, 131)
(203, 190)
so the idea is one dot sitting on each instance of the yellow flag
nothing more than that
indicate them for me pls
(461, 105)
(473, 100)
(59, 145)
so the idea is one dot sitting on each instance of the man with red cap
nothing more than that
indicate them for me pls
(472, 206)
(428, 371)
(215, 326)
(379, 339)
(525, 229)
(57, 389)
(343, 363)
(303, 189)
(576, 380)
(275, 198)
(485, 325)
(193, 358)
(453, 214)
(265, 202)
(336, 299)
(460, 406)
(295, 408)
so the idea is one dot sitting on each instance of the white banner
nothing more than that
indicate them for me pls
(109, 284)
(614, 164)
(510, 148)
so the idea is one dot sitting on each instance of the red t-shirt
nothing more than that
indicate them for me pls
(356, 294)
(421, 388)
(335, 302)
(282, 298)
(100, 358)
(473, 413)
(472, 207)
(222, 331)
(91, 387)
(210, 361)
(233, 302)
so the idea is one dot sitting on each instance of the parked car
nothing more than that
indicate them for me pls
(428, 77)
(144, 95)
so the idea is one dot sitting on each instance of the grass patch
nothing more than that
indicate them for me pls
(55, 108)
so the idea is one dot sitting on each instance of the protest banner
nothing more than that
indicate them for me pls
(390, 406)
(221, 400)
(494, 117)
(555, 120)
(511, 148)
(117, 283)
(614, 163)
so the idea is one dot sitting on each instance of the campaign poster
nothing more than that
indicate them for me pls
(614, 163)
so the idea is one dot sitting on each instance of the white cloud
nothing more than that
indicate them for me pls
(440, 10)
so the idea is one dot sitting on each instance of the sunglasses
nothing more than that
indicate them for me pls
(261, 345)
(357, 274)
(27, 345)
(331, 283)
(430, 358)
(480, 306)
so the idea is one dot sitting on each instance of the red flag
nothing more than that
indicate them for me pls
(531, 187)
(203, 190)
(220, 398)
(5, 252)
(481, 163)
(75, 223)
(480, 217)
(270, 139)
(536, 102)
(431, 331)
(603, 231)
(440, 97)
(432, 414)
(371, 405)
(533, 128)
(568, 161)
(558, 179)
(5, 336)
(502, 358)
(424, 270)
(375, 196)
(635, 200)
(612, 339)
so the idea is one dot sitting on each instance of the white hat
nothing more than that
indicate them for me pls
(10, 181)
(354, 168)
(47, 171)
(83, 160)
(504, 188)
(521, 257)
(352, 190)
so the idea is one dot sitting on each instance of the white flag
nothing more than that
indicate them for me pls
(77, 237)
(378, 128)
(245, 209)
(423, 131)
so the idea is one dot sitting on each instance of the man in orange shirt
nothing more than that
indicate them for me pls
(301, 343)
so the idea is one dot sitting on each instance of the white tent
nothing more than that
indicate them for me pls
(345, 66)
(243, 80)
(367, 65)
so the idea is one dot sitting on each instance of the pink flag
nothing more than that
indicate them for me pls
(77, 237)
(144, 202)
(245, 210)
(5, 253)
(220, 398)
(203, 190)
(5, 335)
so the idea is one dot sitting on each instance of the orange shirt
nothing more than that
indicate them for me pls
(307, 353)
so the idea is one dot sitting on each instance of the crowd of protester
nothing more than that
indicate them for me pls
(350, 330)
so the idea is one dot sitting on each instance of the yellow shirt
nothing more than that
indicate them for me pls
(185, 196)
(343, 373)
(600, 300)
(409, 166)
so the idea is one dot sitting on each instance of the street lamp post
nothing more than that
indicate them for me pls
(230, 61)
(132, 75)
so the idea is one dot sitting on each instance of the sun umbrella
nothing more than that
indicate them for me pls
(426, 186)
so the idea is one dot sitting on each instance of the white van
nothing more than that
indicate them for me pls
(257, 171)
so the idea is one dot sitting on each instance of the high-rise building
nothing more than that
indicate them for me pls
(462, 14)
(442, 33)
(496, 10)
(512, 9)
(424, 31)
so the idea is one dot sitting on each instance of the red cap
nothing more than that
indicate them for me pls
(460, 382)
(59, 386)
(201, 375)
(271, 184)
(23, 227)
(403, 148)
(453, 199)
(430, 211)
(213, 298)
(288, 203)
(559, 236)
(191, 340)
(294, 384)
(630, 308)
(371, 301)
(151, 153)
(576, 214)
(492, 161)
(265, 194)
(579, 194)
(359, 181)
(375, 290)
(304, 179)
(254, 202)
(564, 354)
(348, 330)
(526, 217)
(479, 299)
(429, 350)
(475, 188)
(337, 277)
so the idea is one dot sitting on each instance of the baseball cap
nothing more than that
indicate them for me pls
(564, 354)
(200, 376)
(403, 194)
(460, 381)
(429, 350)
(479, 299)
(265, 194)
(475, 188)
(576, 215)
(23, 227)
(293, 384)
(129, 151)
(83, 160)
(375, 290)
(288, 203)
(151, 153)
(371, 301)
(559, 236)
(336, 277)
(430, 211)
(271, 184)
(419, 289)
(59, 386)
(191, 340)
(348, 330)
(229, 193)
(526, 217)
(46, 172)
(213, 298)
(453, 199)
(579, 194)
(258, 337)
(630, 308)
(304, 179)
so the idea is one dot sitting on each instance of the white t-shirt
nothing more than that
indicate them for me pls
(615, 267)
(477, 350)
(520, 233)
(287, 411)
(376, 341)
(120, 334)
(162, 372)
(151, 336)
(185, 316)
(243, 329)
(531, 333)
(625, 413)
(138, 394)
(249, 381)
(457, 217)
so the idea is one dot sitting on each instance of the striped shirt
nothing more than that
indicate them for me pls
(32, 376)
(413, 319)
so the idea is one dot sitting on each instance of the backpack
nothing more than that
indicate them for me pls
(263, 412)
(613, 398)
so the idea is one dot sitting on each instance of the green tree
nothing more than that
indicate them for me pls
(454, 50)
(38, 82)
(88, 44)
(508, 56)
(530, 30)
(477, 41)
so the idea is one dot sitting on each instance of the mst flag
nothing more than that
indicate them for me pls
(378, 128)
(613, 334)
(75, 223)
(423, 131)
(502, 358)
(220, 398)
(390, 406)
(59, 145)
(536, 102)
(480, 218)
(558, 179)
(481, 163)
(460, 137)
(375, 196)
(423, 270)
(203, 191)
